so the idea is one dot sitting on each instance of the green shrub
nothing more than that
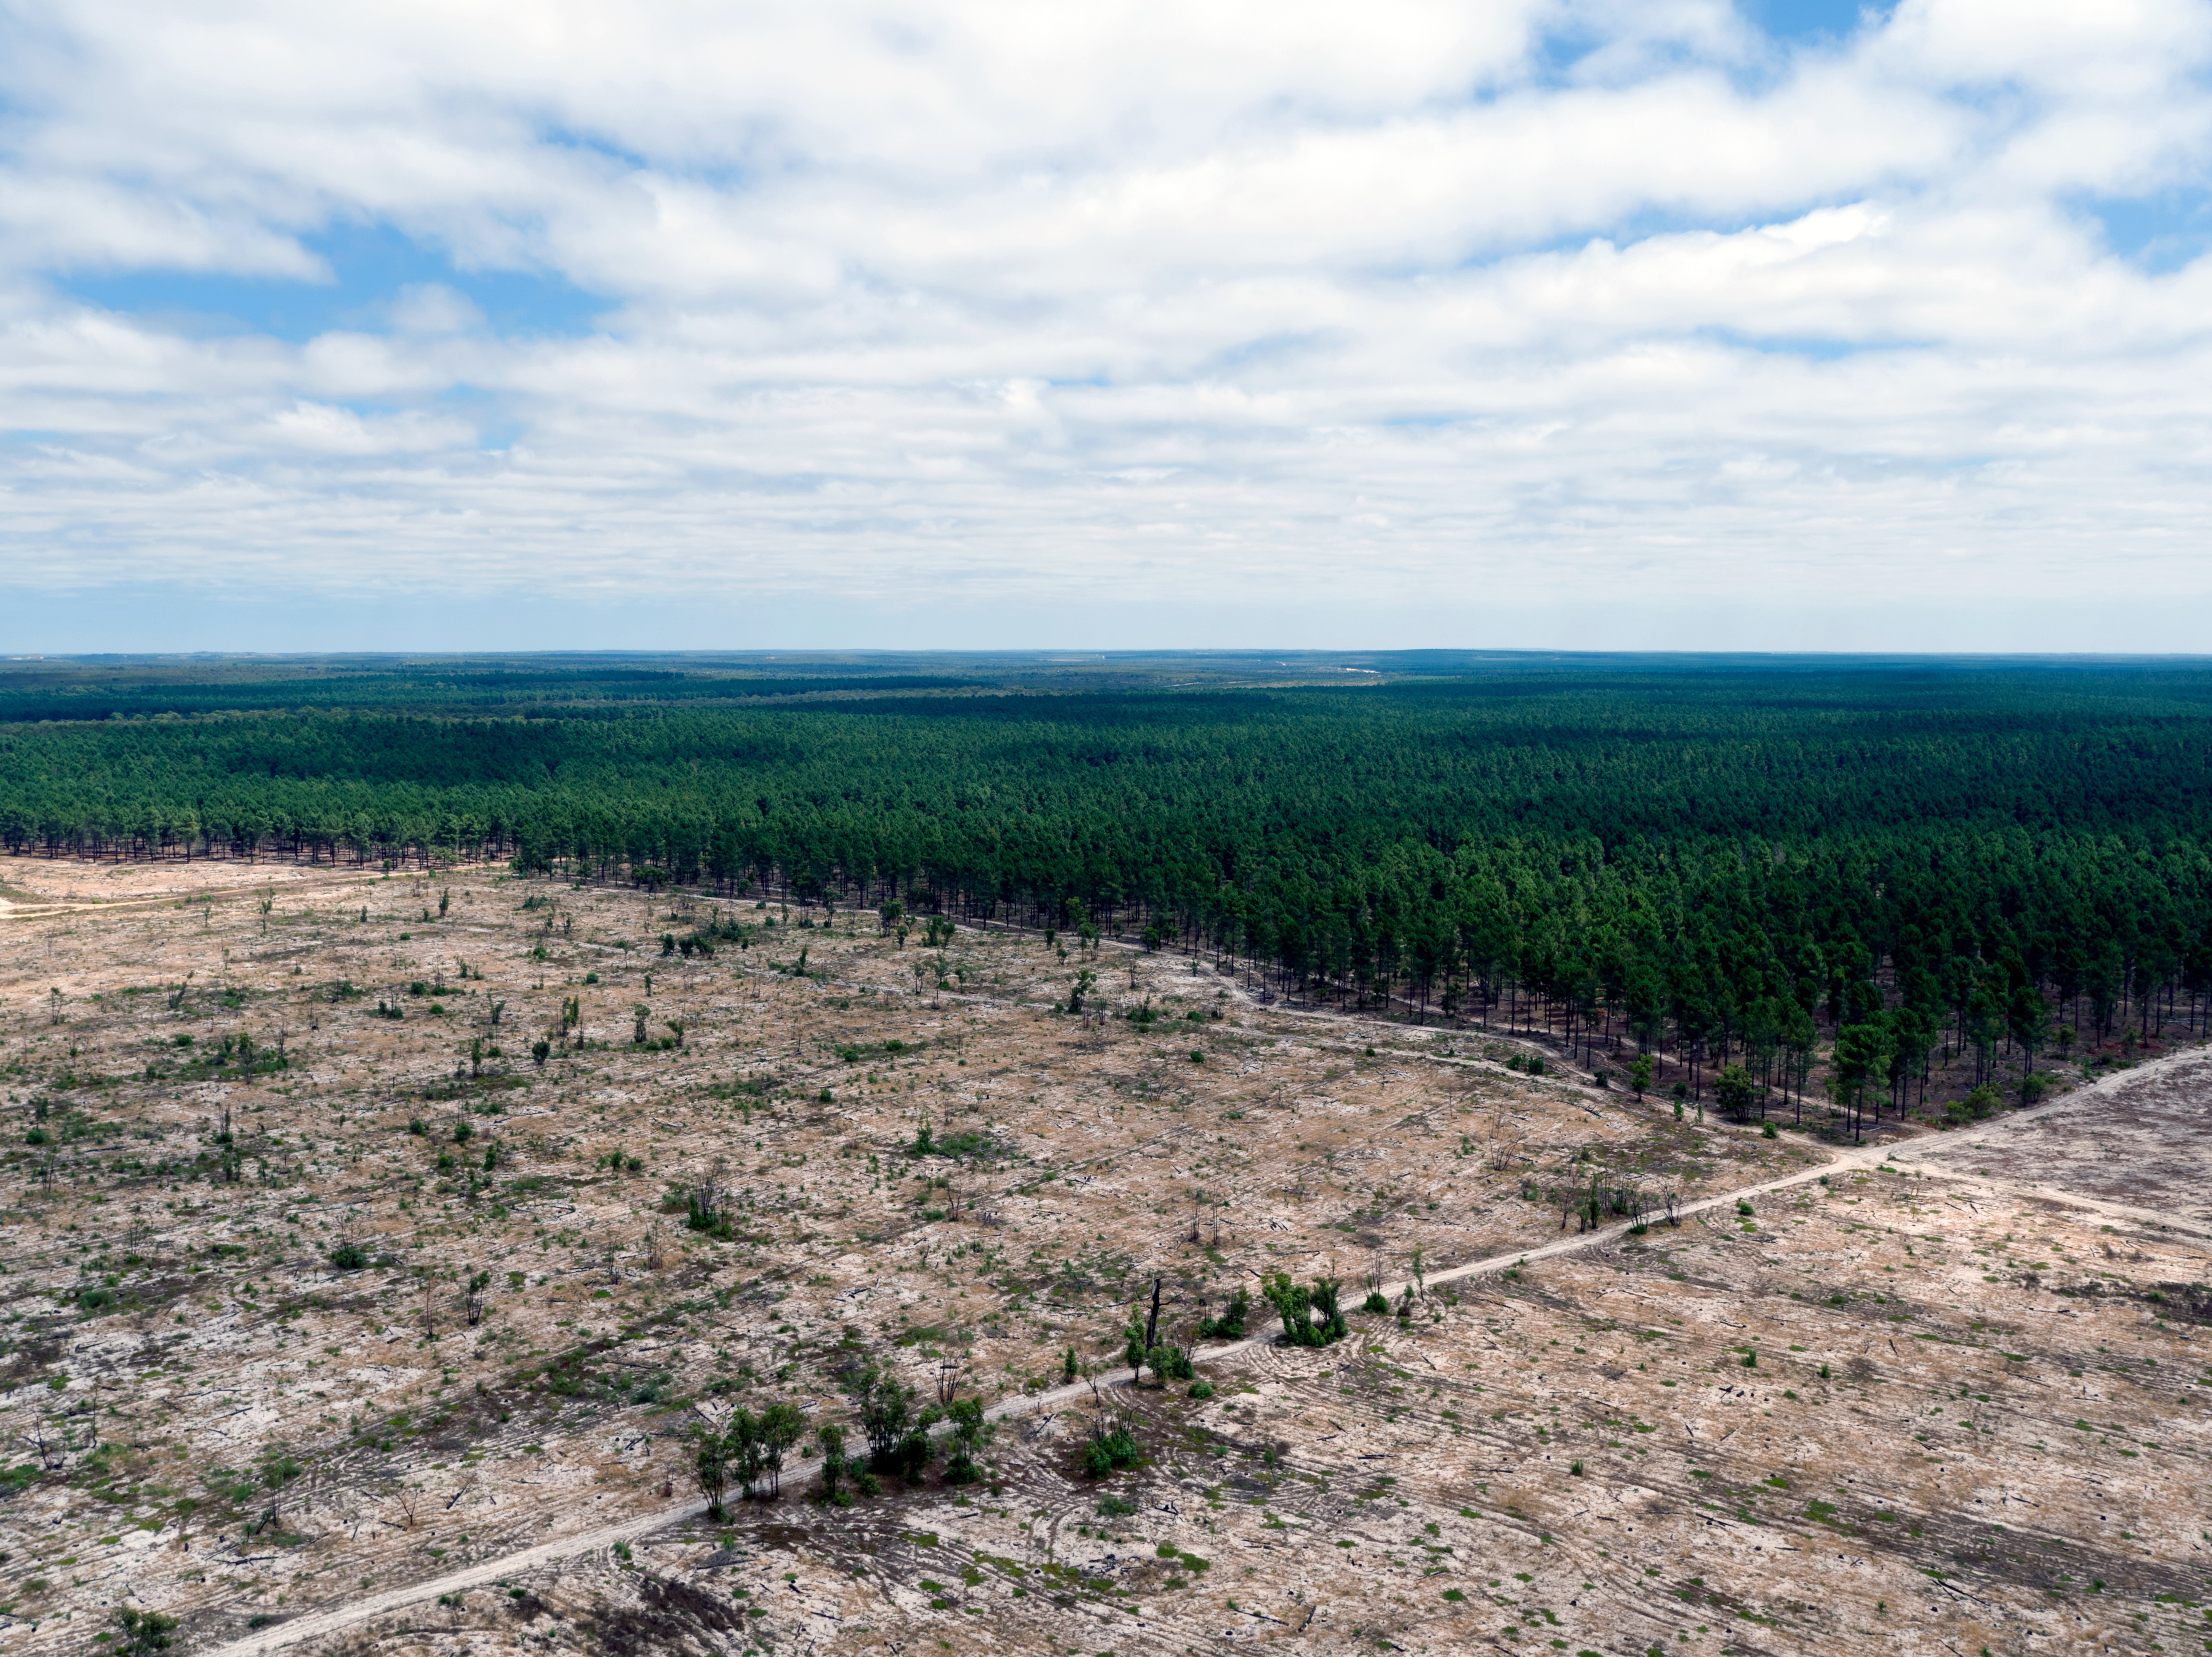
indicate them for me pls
(911, 1455)
(1110, 1450)
(1168, 1364)
(1298, 1306)
(1229, 1325)
(144, 1632)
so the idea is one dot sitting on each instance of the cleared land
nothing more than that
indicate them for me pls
(1920, 1406)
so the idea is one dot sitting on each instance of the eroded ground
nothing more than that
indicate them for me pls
(2142, 1139)
(214, 1413)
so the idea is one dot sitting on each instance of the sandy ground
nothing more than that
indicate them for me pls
(2143, 1138)
(214, 1422)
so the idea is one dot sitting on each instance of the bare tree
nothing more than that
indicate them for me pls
(949, 1372)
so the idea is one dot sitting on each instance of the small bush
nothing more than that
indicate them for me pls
(1297, 1305)
(1229, 1325)
(1110, 1450)
(1201, 1389)
(1114, 1507)
(349, 1257)
(911, 1456)
(145, 1632)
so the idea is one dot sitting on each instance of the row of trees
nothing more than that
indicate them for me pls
(748, 1450)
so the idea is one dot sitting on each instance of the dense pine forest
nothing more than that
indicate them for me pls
(1870, 868)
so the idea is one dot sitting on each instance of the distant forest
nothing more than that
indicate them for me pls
(1772, 863)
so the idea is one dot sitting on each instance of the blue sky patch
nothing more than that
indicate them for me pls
(1813, 20)
(1814, 348)
(2158, 233)
(371, 264)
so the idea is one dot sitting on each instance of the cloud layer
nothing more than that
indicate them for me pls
(1403, 305)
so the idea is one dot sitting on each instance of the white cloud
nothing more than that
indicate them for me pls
(1414, 298)
(432, 308)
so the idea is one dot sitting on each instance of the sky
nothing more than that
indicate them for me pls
(1783, 324)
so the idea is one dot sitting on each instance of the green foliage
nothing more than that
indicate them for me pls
(929, 1143)
(1735, 1091)
(710, 1464)
(910, 1456)
(886, 1407)
(748, 1450)
(144, 1632)
(1310, 1316)
(832, 1438)
(1724, 852)
(1984, 1101)
(971, 1431)
(1110, 1449)
(1229, 1325)
(349, 1257)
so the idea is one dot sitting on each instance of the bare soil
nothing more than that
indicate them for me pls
(1975, 1414)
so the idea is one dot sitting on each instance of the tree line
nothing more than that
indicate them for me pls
(1730, 865)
